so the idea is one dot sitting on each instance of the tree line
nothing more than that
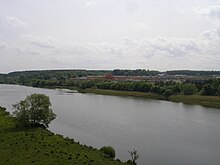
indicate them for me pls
(62, 78)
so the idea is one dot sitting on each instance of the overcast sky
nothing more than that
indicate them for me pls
(109, 34)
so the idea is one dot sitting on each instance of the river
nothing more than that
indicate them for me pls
(163, 133)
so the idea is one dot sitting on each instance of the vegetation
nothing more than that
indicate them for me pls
(208, 101)
(154, 90)
(34, 110)
(189, 89)
(134, 156)
(124, 93)
(108, 152)
(193, 73)
(40, 146)
(137, 72)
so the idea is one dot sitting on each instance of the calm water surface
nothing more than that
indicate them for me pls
(164, 133)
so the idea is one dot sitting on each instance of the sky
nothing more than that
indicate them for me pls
(109, 34)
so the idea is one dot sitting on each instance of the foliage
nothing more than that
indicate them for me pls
(137, 72)
(23, 146)
(34, 110)
(211, 88)
(168, 92)
(134, 156)
(3, 111)
(219, 90)
(193, 73)
(189, 89)
(108, 151)
(63, 79)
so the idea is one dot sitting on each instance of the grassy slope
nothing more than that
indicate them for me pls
(39, 146)
(208, 101)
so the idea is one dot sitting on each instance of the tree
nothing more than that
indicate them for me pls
(34, 110)
(134, 156)
(218, 90)
(207, 90)
(108, 151)
(168, 93)
(189, 89)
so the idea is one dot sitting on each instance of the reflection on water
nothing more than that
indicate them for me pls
(162, 132)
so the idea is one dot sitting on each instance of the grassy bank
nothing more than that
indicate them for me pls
(40, 146)
(124, 93)
(208, 101)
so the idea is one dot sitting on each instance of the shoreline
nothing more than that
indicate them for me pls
(20, 145)
(206, 101)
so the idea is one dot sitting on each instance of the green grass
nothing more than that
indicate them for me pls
(208, 101)
(124, 93)
(40, 146)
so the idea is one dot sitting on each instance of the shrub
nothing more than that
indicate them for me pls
(108, 151)
(3, 111)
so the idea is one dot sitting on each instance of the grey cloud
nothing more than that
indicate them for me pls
(211, 34)
(43, 42)
(16, 22)
(3, 45)
(130, 53)
(211, 11)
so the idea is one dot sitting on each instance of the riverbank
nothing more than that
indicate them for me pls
(207, 101)
(124, 93)
(40, 146)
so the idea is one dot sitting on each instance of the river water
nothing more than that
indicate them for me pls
(163, 133)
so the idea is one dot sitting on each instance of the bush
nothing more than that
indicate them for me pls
(3, 111)
(108, 151)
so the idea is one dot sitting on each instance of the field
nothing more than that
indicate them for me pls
(40, 146)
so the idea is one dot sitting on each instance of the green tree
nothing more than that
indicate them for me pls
(189, 89)
(34, 110)
(207, 90)
(219, 90)
(108, 151)
(168, 93)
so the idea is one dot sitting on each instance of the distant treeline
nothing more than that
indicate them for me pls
(193, 73)
(62, 79)
(210, 87)
(144, 72)
(137, 72)
(27, 77)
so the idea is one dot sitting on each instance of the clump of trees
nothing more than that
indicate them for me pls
(34, 110)
(108, 151)
(211, 88)
(189, 89)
